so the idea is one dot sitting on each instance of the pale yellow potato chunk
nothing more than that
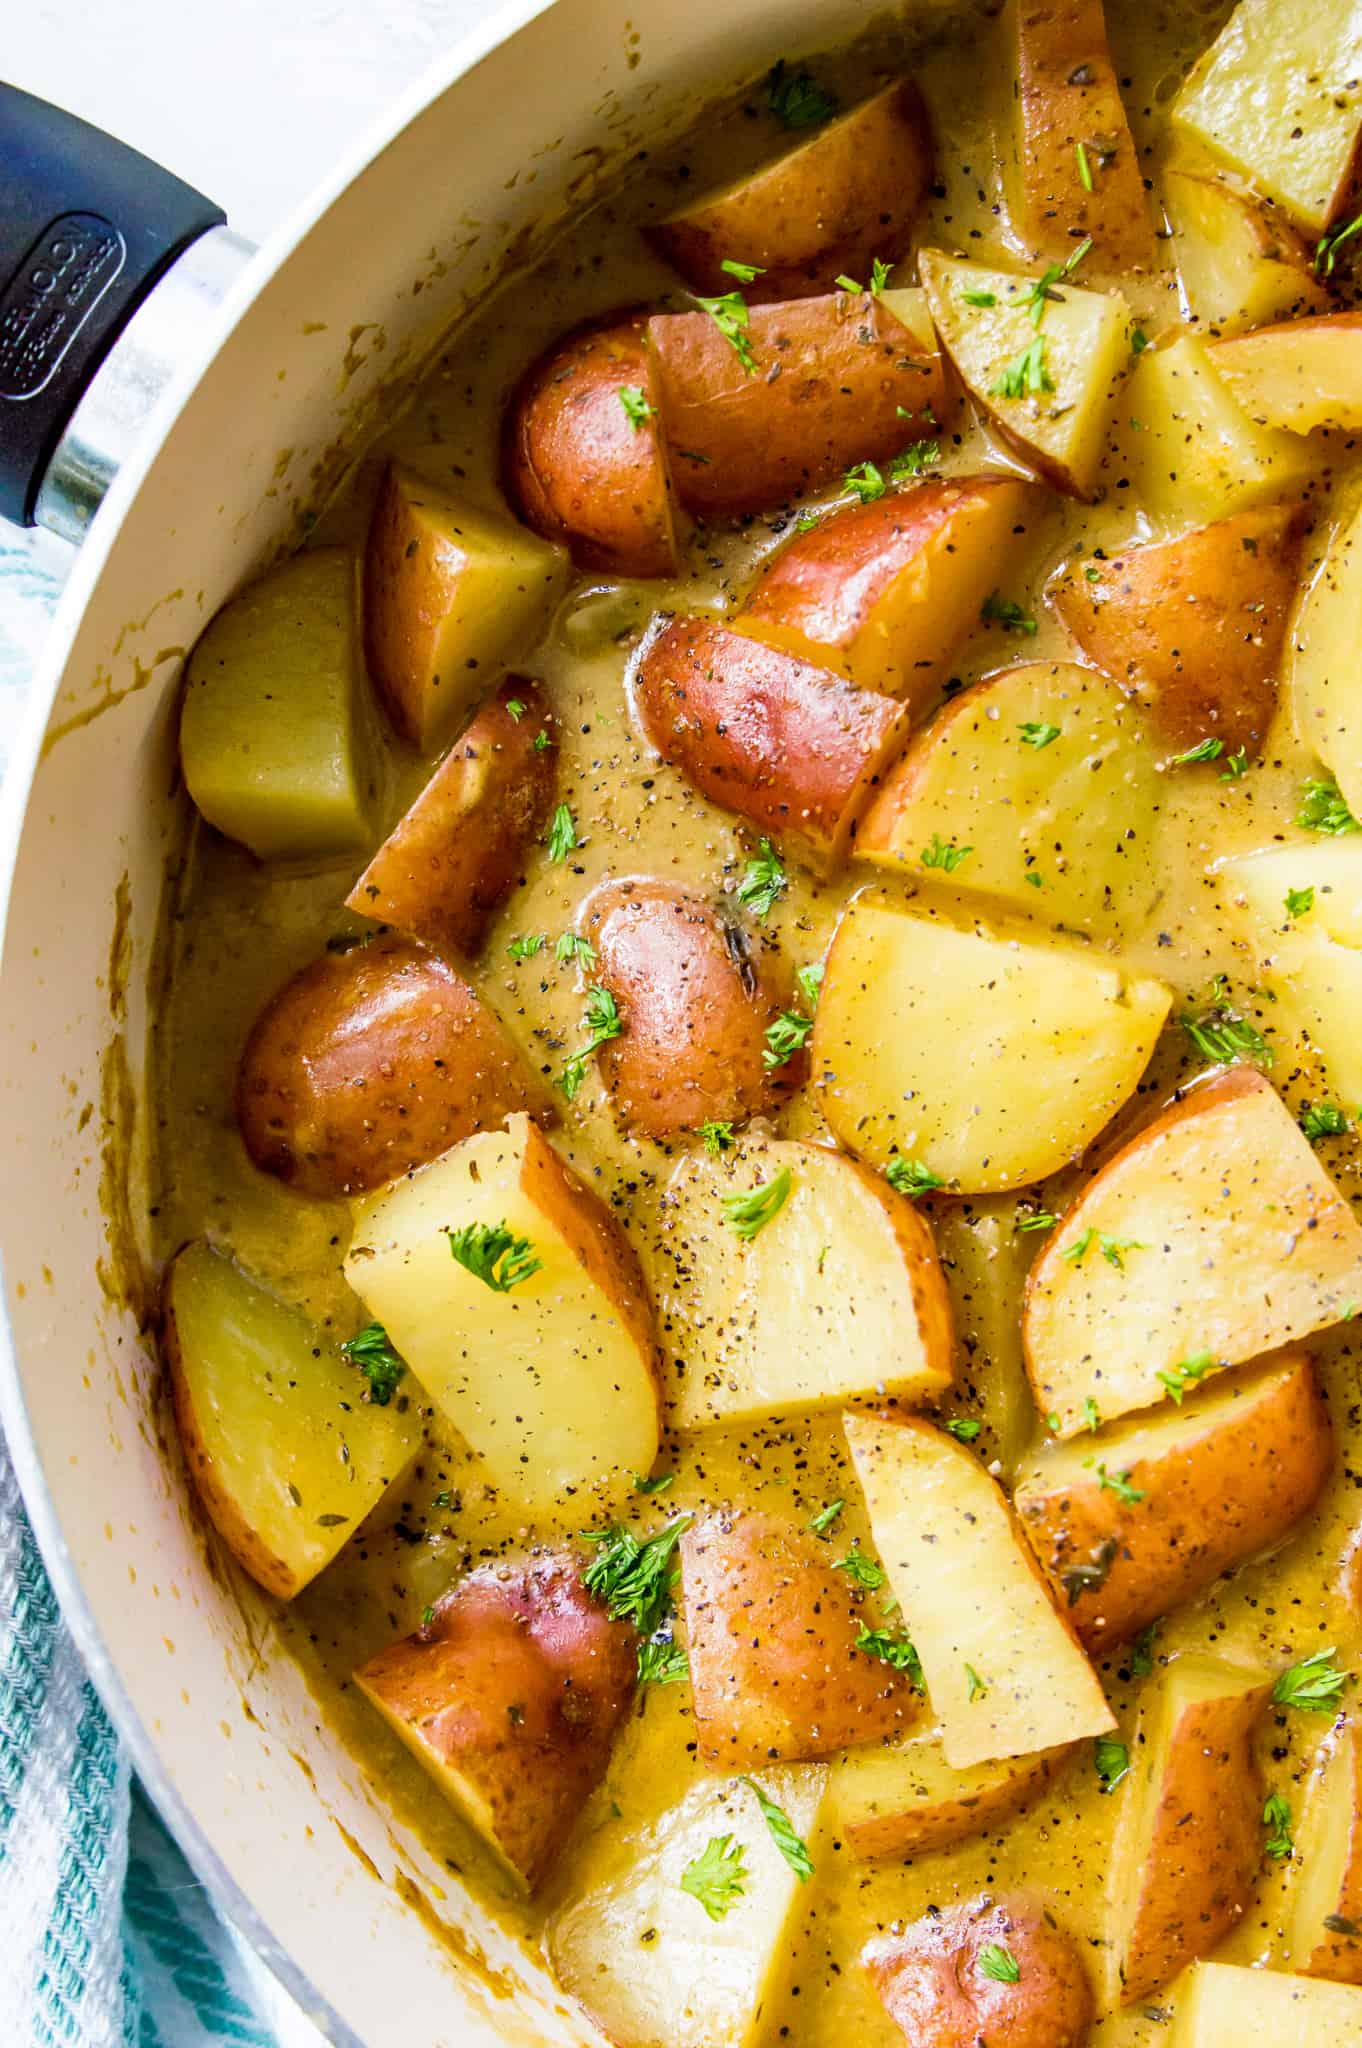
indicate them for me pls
(1310, 961)
(1223, 2005)
(838, 1297)
(1195, 455)
(1004, 1673)
(1215, 1229)
(990, 1057)
(1324, 676)
(1327, 1883)
(552, 1379)
(898, 1799)
(1052, 768)
(643, 1956)
(1059, 422)
(287, 1455)
(1240, 265)
(1279, 96)
(986, 1257)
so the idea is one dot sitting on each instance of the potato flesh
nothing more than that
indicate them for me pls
(1236, 1242)
(1312, 962)
(1004, 1674)
(839, 1297)
(641, 1954)
(550, 1382)
(1223, 2003)
(1086, 336)
(293, 1455)
(1328, 1883)
(1196, 454)
(1005, 1059)
(1063, 832)
(1323, 682)
(904, 1799)
(1279, 96)
(1239, 266)
(1299, 375)
(985, 1258)
(271, 733)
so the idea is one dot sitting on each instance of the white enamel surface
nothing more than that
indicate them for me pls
(218, 1719)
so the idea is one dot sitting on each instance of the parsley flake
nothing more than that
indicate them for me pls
(1186, 1373)
(570, 947)
(912, 1178)
(861, 1570)
(494, 1255)
(1222, 1035)
(797, 99)
(824, 1519)
(809, 981)
(782, 1833)
(717, 1877)
(1084, 167)
(1315, 1685)
(866, 481)
(525, 947)
(1111, 1761)
(785, 1037)
(751, 1212)
(1119, 1484)
(980, 298)
(716, 1137)
(764, 881)
(372, 1350)
(1236, 765)
(1026, 375)
(978, 1689)
(998, 610)
(998, 1964)
(893, 1650)
(636, 407)
(1323, 809)
(1277, 1821)
(562, 834)
(1036, 733)
(1299, 901)
(1323, 1120)
(939, 855)
(602, 1021)
(1204, 750)
(1327, 247)
(746, 273)
(963, 1428)
(729, 313)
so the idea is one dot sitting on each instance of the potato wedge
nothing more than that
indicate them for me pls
(822, 211)
(639, 1951)
(1214, 1233)
(985, 1255)
(1006, 1059)
(1240, 262)
(510, 1694)
(1310, 959)
(479, 1335)
(934, 1984)
(451, 593)
(285, 1454)
(1118, 1555)
(902, 1799)
(445, 866)
(1195, 453)
(1279, 96)
(1192, 628)
(1298, 374)
(272, 724)
(1048, 391)
(1004, 1673)
(884, 592)
(586, 465)
(1326, 700)
(371, 1062)
(1325, 1899)
(1061, 790)
(770, 1631)
(784, 744)
(1189, 1838)
(1077, 171)
(838, 1297)
(694, 995)
(858, 378)
(1223, 2002)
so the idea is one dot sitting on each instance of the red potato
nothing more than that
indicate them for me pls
(1298, 374)
(884, 592)
(510, 1695)
(935, 1985)
(371, 1062)
(835, 381)
(575, 464)
(1193, 628)
(696, 1007)
(771, 1630)
(1067, 101)
(788, 746)
(822, 211)
(445, 866)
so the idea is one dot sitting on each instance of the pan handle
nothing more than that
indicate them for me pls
(108, 266)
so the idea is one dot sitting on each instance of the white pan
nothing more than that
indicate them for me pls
(260, 375)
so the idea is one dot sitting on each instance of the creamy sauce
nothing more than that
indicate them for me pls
(241, 930)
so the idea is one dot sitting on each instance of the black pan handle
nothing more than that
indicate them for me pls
(87, 227)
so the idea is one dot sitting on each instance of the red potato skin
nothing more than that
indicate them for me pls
(370, 1063)
(822, 211)
(771, 1635)
(932, 1987)
(524, 1635)
(696, 1006)
(577, 470)
(830, 377)
(1193, 628)
(786, 745)
(445, 866)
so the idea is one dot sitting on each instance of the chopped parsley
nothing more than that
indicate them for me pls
(797, 99)
(601, 1021)
(809, 981)
(879, 278)
(525, 947)
(1204, 750)
(1277, 1821)
(1327, 247)
(782, 1832)
(1040, 1219)
(562, 834)
(788, 1035)
(824, 1519)
(861, 1570)
(716, 1137)
(570, 947)
(1119, 1484)
(635, 1581)
(978, 1688)
(1111, 1761)
(1036, 733)
(729, 313)
(1236, 764)
(939, 855)
(963, 1428)
(1139, 341)
(764, 881)
(542, 742)
(1043, 290)
(1315, 1685)
(1142, 1652)
(1092, 1419)
(998, 1964)
(910, 1177)
(494, 1255)
(1221, 1034)
(1026, 375)
(980, 298)
(717, 1877)
(1323, 809)
(1299, 901)
(636, 407)
(751, 1212)
(371, 1349)
(515, 709)
(1113, 1249)
(911, 461)
(866, 481)
(746, 273)
(1084, 167)
(1185, 1374)
(661, 1661)
(998, 610)
(1323, 1120)
(893, 1650)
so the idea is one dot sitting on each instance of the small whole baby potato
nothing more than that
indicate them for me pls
(992, 1970)
(693, 995)
(371, 1062)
